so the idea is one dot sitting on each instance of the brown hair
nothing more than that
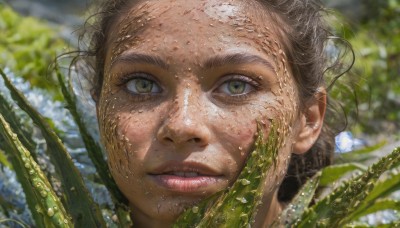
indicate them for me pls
(306, 35)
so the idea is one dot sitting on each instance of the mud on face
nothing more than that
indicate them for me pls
(184, 86)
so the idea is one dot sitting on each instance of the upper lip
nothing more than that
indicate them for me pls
(184, 166)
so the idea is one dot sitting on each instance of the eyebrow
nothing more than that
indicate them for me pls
(235, 59)
(213, 62)
(141, 58)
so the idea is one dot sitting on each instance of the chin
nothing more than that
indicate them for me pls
(163, 212)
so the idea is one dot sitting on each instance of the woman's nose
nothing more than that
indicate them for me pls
(186, 123)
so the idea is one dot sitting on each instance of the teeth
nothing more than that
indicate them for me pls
(185, 174)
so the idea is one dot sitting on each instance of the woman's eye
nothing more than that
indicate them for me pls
(235, 88)
(142, 86)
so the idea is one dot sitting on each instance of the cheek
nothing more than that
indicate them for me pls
(239, 132)
(125, 135)
(138, 130)
(235, 131)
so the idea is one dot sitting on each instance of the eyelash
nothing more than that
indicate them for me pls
(124, 80)
(239, 97)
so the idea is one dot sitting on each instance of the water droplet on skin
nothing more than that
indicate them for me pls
(158, 208)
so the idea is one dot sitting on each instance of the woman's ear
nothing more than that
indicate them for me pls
(311, 121)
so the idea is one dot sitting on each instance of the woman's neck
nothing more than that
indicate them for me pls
(269, 210)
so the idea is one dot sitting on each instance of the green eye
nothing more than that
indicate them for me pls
(142, 86)
(236, 87)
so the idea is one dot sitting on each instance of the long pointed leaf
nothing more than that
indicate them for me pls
(4, 161)
(385, 187)
(236, 207)
(334, 209)
(299, 204)
(379, 205)
(16, 123)
(44, 203)
(382, 189)
(333, 173)
(360, 155)
(84, 211)
(94, 151)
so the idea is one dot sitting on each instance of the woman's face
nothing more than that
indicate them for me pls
(185, 83)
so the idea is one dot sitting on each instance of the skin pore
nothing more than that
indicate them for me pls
(185, 83)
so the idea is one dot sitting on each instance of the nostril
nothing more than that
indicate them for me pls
(169, 139)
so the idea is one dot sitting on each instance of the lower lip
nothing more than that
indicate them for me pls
(186, 184)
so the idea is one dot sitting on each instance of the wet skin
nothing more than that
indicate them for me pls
(185, 83)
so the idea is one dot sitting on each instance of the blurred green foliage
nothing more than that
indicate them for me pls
(374, 82)
(27, 47)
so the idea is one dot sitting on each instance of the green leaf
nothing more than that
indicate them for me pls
(4, 161)
(299, 204)
(333, 173)
(19, 125)
(360, 155)
(385, 187)
(84, 211)
(95, 153)
(382, 189)
(334, 210)
(236, 206)
(378, 205)
(45, 206)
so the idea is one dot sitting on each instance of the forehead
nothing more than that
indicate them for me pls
(197, 18)
(221, 10)
(200, 25)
